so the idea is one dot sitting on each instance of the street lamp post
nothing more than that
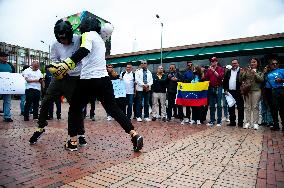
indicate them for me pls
(158, 17)
(48, 50)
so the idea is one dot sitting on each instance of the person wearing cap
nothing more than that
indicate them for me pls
(215, 75)
(6, 67)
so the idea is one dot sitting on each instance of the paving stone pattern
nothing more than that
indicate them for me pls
(218, 157)
(173, 155)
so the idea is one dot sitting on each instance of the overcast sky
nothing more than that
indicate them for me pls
(26, 22)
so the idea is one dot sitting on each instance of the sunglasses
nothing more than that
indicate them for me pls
(143, 63)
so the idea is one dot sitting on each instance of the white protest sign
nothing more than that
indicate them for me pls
(12, 83)
(119, 88)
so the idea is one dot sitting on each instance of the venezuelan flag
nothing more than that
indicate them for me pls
(192, 94)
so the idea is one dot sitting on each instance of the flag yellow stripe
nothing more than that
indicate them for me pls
(83, 43)
(199, 86)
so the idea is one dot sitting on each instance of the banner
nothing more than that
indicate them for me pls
(12, 83)
(119, 88)
(192, 94)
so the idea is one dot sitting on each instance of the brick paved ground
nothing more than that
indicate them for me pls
(173, 156)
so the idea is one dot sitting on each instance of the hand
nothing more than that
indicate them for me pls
(61, 69)
(278, 80)
(174, 78)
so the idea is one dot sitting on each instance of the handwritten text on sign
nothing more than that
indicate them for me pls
(119, 88)
(12, 83)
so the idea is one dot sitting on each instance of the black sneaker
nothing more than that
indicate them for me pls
(8, 120)
(154, 118)
(58, 116)
(26, 118)
(137, 143)
(82, 141)
(71, 147)
(275, 128)
(36, 136)
(164, 119)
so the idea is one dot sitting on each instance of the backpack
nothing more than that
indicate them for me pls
(123, 73)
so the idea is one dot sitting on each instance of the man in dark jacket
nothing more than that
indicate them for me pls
(159, 88)
(232, 85)
(173, 78)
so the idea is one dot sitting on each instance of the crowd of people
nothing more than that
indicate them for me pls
(82, 76)
(258, 93)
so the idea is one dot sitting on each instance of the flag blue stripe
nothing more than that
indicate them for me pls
(192, 94)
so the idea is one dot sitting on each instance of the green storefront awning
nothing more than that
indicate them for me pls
(205, 51)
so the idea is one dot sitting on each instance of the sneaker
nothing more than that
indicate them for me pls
(26, 118)
(82, 141)
(71, 147)
(246, 126)
(109, 118)
(139, 119)
(275, 128)
(93, 119)
(198, 122)
(8, 120)
(58, 116)
(255, 126)
(36, 136)
(192, 122)
(154, 118)
(147, 119)
(218, 124)
(137, 143)
(227, 120)
(210, 124)
(164, 119)
(182, 122)
(186, 120)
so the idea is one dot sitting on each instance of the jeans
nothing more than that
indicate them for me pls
(146, 96)
(22, 103)
(215, 97)
(129, 100)
(7, 105)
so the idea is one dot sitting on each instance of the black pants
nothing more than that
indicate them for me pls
(277, 106)
(240, 106)
(87, 89)
(172, 105)
(55, 89)
(32, 98)
(196, 112)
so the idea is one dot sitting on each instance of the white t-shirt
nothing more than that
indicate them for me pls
(94, 64)
(33, 75)
(233, 79)
(129, 82)
(60, 52)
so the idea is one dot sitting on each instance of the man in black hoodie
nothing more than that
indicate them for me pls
(173, 78)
